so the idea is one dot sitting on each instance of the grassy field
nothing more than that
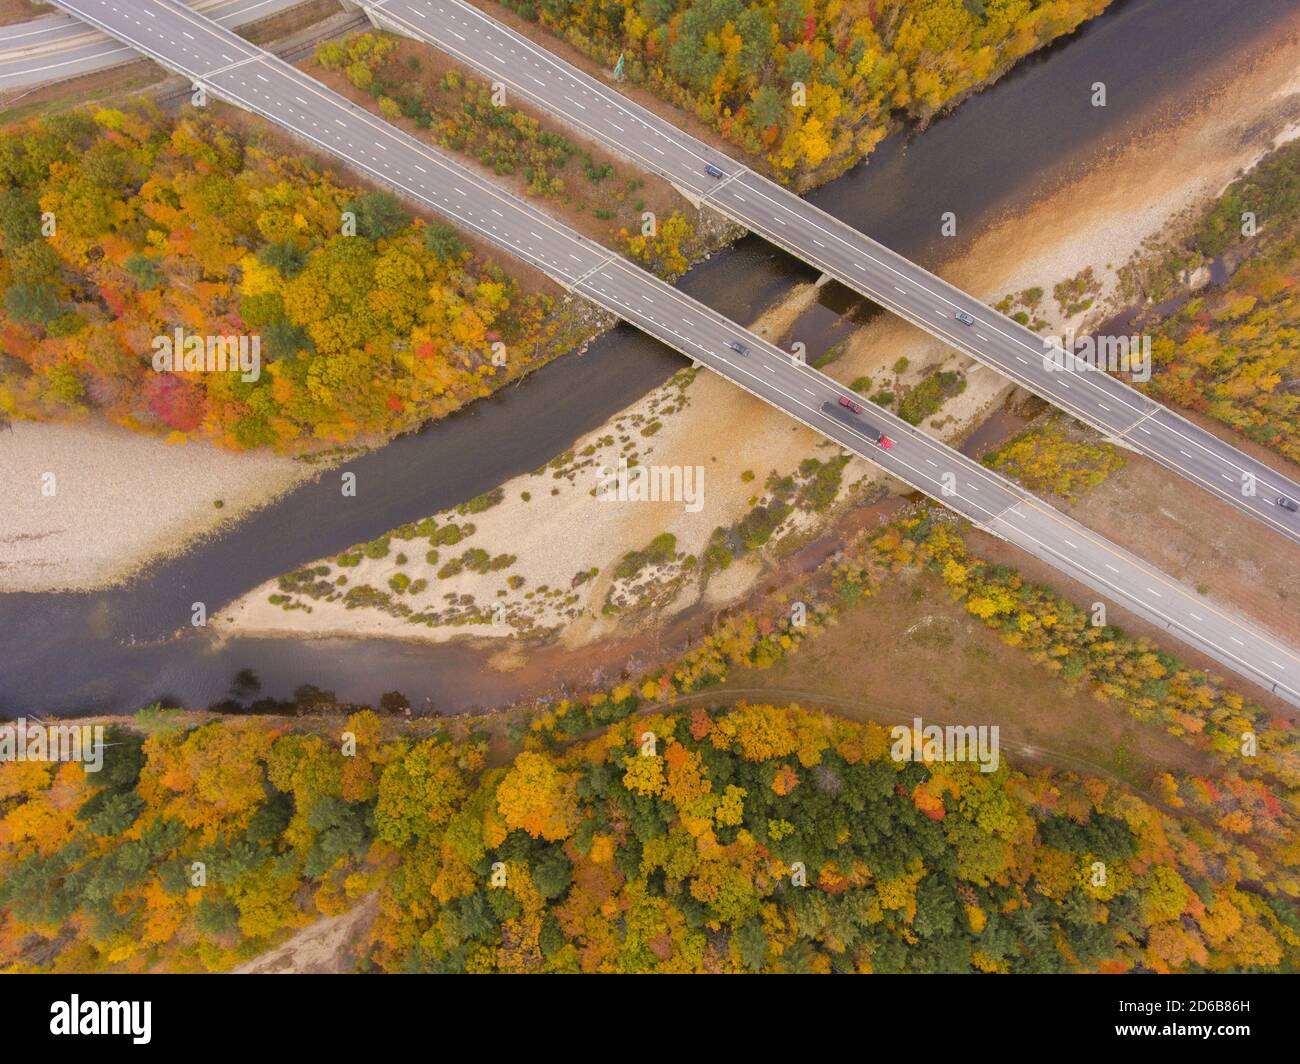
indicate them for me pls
(21, 10)
(910, 651)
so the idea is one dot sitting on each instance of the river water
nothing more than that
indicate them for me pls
(115, 650)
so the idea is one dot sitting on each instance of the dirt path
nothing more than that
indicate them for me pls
(326, 946)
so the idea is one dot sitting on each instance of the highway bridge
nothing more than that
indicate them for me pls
(249, 77)
(58, 46)
(842, 252)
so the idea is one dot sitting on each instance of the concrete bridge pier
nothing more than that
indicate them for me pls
(689, 197)
(374, 16)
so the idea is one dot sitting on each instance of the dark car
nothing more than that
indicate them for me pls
(1287, 504)
(713, 171)
(738, 347)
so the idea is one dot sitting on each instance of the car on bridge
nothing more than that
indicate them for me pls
(1287, 504)
(965, 318)
(847, 402)
(738, 347)
(713, 171)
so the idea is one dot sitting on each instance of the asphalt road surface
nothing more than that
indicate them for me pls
(249, 77)
(844, 253)
(58, 46)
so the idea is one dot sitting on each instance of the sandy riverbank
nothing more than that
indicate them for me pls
(87, 505)
(1130, 198)
(559, 531)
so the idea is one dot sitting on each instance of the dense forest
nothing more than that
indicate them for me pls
(627, 832)
(737, 838)
(810, 85)
(119, 226)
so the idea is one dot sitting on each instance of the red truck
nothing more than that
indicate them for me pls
(845, 403)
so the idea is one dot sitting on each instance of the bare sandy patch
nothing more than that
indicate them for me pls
(88, 505)
(21, 11)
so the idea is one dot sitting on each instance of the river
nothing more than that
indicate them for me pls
(115, 650)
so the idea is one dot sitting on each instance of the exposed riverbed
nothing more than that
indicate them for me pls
(118, 649)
